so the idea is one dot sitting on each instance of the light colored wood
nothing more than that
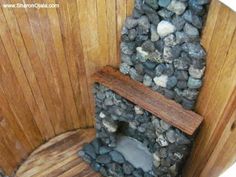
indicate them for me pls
(46, 59)
(60, 153)
(18, 98)
(27, 50)
(224, 153)
(48, 55)
(213, 150)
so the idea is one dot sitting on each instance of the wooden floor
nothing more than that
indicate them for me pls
(58, 157)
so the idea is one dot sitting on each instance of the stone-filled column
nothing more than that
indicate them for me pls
(160, 47)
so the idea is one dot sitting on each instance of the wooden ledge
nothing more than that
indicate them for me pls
(134, 91)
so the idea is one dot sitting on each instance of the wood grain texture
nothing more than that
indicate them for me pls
(46, 59)
(48, 55)
(213, 151)
(155, 103)
(60, 153)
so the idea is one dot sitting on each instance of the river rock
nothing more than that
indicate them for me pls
(164, 125)
(164, 3)
(147, 80)
(128, 168)
(178, 22)
(148, 46)
(134, 75)
(111, 126)
(171, 82)
(117, 157)
(89, 149)
(191, 31)
(195, 20)
(138, 110)
(164, 28)
(194, 83)
(103, 159)
(161, 80)
(132, 34)
(170, 135)
(162, 141)
(177, 7)
(127, 48)
(196, 73)
(143, 25)
(154, 35)
(190, 94)
(152, 3)
(131, 22)
(153, 18)
(194, 50)
(170, 40)
(124, 68)
(126, 59)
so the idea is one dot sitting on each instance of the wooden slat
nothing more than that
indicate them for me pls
(26, 47)
(129, 7)
(65, 13)
(215, 99)
(46, 59)
(61, 157)
(155, 103)
(112, 34)
(16, 87)
(48, 73)
(121, 16)
(6, 164)
(224, 153)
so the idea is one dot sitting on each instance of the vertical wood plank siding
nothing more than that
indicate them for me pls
(48, 55)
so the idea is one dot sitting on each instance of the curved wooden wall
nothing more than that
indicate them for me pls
(47, 56)
(215, 148)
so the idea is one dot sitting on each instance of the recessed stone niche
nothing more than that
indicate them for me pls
(160, 47)
(132, 142)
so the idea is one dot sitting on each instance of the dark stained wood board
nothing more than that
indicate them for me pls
(155, 103)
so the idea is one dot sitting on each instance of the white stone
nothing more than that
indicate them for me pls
(156, 156)
(141, 52)
(156, 163)
(161, 80)
(162, 141)
(173, 170)
(156, 159)
(147, 80)
(178, 155)
(196, 73)
(110, 126)
(138, 110)
(164, 28)
(133, 125)
(177, 7)
(102, 115)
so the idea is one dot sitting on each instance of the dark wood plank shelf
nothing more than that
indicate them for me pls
(155, 103)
